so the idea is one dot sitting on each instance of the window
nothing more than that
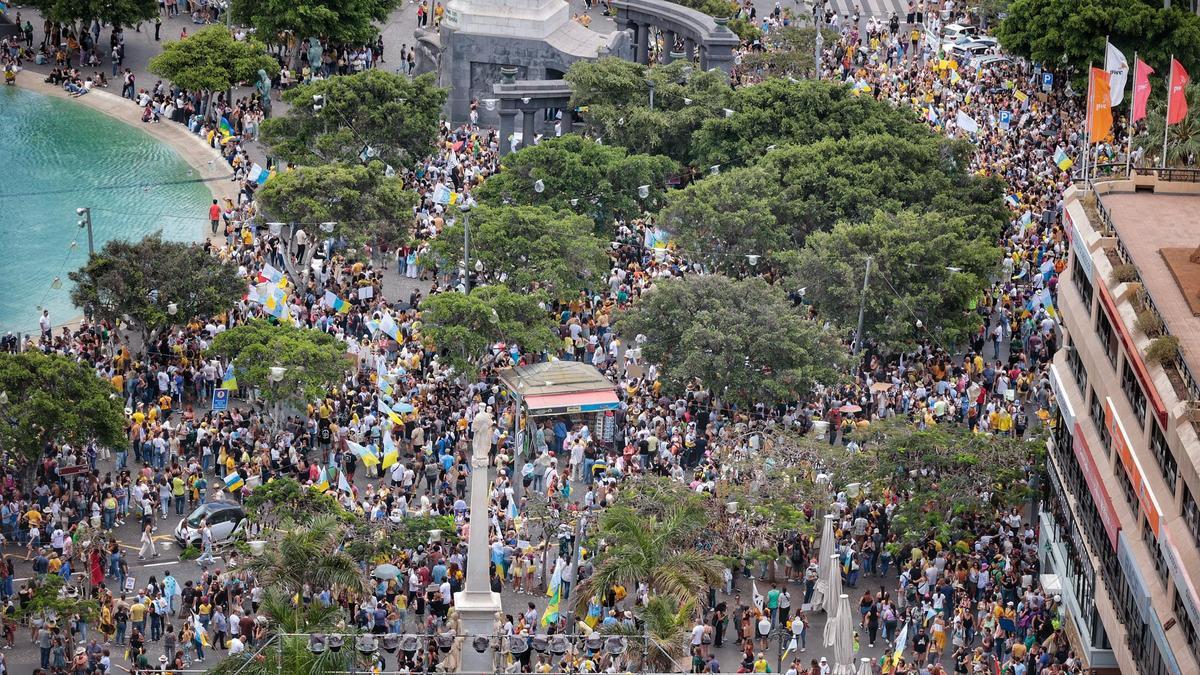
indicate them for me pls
(1077, 368)
(1184, 620)
(1162, 452)
(1160, 563)
(1191, 514)
(1108, 337)
(1127, 488)
(1082, 283)
(1096, 411)
(1133, 392)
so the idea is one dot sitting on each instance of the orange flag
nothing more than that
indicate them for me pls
(1100, 119)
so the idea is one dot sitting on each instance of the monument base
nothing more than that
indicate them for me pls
(478, 38)
(477, 612)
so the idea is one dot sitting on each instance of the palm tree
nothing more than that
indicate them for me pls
(664, 632)
(287, 650)
(308, 555)
(1183, 143)
(659, 550)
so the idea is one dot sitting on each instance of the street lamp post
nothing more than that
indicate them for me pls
(862, 306)
(466, 211)
(86, 222)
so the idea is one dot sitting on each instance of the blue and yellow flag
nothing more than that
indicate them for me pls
(229, 381)
(336, 303)
(234, 482)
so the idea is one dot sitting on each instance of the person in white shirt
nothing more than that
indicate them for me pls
(235, 646)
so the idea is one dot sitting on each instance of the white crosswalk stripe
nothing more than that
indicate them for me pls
(880, 9)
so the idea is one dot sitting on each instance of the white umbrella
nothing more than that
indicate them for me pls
(820, 590)
(864, 667)
(843, 638)
(834, 583)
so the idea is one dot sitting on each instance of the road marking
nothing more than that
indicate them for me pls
(161, 564)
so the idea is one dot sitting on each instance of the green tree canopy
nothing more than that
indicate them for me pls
(656, 548)
(725, 9)
(342, 21)
(788, 52)
(314, 360)
(55, 399)
(362, 200)
(849, 178)
(925, 266)
(741, 339)
(211, 60)
(949, 475)
(463, 327)
(1183, 137)
(308, 554)
(777, 111)
(1072, 32)
(614, 94)
(601, 180)
(534, 246)
(395, 116)
(727, 217)
(138, 283)
(117, 13)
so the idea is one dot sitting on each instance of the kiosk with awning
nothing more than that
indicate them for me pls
(562, 389)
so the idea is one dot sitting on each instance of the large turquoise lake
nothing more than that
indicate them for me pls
(58, 155)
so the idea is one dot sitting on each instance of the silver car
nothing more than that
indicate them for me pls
(226, 521)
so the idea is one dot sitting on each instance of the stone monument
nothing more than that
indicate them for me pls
(476, 604)
(479, 37)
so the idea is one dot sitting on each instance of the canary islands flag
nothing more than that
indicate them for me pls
(322, 483)
(224, 128)
(271, 274)
(555, 592)
(338, 304)
(1061, 159)
(234, 482)
(229, 381)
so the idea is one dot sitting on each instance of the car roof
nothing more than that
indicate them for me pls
(959, 27)
(213, 507)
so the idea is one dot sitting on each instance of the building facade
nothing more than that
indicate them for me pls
(1120, 519)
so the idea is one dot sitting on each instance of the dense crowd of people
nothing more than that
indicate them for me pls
(980, 603)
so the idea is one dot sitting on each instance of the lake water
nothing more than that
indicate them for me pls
(58, 155)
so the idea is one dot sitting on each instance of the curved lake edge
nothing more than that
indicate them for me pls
(192, 149)
(204, 160)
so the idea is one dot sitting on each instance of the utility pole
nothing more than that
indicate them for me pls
(466, 211)
(86, 222)
(862, 306)
(820, 40)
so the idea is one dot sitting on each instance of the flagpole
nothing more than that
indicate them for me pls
(1087, 137)
(1167, 117)
(1129, 119)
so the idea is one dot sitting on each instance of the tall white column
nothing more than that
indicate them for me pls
(476, 604)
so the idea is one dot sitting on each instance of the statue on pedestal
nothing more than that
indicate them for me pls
(481, 444)
(263, 87)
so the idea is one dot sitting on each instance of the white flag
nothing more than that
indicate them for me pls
(966, 123)
(1118, 67)
(755, 596)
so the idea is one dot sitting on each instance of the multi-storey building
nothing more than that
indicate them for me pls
(1120, 520)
